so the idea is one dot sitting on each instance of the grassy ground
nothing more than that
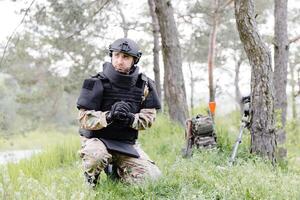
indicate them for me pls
(37, 139)
(57, 173)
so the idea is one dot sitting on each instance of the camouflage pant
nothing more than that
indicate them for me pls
(95, 157)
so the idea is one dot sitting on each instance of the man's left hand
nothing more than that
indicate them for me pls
(126, 121)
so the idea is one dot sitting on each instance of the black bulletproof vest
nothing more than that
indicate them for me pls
(118, 87)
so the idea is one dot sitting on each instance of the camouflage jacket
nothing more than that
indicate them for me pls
(95, 120)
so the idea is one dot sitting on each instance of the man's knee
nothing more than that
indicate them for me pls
(94, 154)
(138, 170)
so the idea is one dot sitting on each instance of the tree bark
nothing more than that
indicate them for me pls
(263, 138)
(211, 51)
(174, 88)
(155, 27)
(281, 53)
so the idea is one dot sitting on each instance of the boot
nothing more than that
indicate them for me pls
(111, 172)
(91, 180)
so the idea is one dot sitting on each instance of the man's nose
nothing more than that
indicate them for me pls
(119, 59)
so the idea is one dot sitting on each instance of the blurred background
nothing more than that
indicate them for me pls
(48, 47)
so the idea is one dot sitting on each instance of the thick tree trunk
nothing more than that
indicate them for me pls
(174, 88)
(155, 27)
(211, 52)
(263, 138)
(281, 53)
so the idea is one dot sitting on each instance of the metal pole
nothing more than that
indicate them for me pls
(238, 141)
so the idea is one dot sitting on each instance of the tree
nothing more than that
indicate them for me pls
(55, 35)
(193, 80)
(230, 41)
(295, 81)
(204, 45)
(238, 95)
(211, 50)
(217, 9)
(8, 106)
(156, 36)
(174, 88)
(293, 95)
(263, 137)
(125, 23)
(281, 54)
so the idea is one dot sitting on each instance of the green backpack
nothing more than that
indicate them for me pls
(199, 132)
(202, 126)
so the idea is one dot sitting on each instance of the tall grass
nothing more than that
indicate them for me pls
(57, 173)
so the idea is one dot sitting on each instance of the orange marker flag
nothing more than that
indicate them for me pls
(212, 107)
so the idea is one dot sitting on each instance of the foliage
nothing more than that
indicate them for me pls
(57, 173)
(8, 105)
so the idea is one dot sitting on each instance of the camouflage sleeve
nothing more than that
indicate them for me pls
(144, 119)
(91, 119)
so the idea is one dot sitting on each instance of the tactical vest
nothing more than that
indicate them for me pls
(103, 90)
(112, 94)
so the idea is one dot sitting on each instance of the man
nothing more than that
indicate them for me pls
(113, 106)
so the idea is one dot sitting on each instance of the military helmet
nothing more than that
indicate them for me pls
(126, 46)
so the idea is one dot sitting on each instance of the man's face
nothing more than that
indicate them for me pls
(122, 62)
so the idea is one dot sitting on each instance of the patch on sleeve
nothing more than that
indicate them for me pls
(88, 84)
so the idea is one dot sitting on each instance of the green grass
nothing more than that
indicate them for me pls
(57, 173)
(37, 139)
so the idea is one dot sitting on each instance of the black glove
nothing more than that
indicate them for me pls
(121, 110)
(118, 111)
(125, 120)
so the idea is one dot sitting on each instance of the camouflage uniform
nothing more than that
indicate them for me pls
(128, 100)
(96, 157)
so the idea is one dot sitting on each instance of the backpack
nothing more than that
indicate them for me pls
(199, 132)
(202, 126)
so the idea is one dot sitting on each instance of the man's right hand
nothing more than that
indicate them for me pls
(118, 111)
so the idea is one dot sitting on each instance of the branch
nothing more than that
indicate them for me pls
(226, 4)
(84, 26)
(295, 39)
(14, 31)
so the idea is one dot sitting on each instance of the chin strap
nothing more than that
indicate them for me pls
(132, 69)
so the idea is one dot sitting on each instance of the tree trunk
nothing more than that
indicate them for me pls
(174, 88)
(281, 53)
(263, 138)
(293, 85)
(192, 89)
(155, 27)
(298, 75)
(211, 52)
(238, 95)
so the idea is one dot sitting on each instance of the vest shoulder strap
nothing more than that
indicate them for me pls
(104, 79)
(145, 87)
